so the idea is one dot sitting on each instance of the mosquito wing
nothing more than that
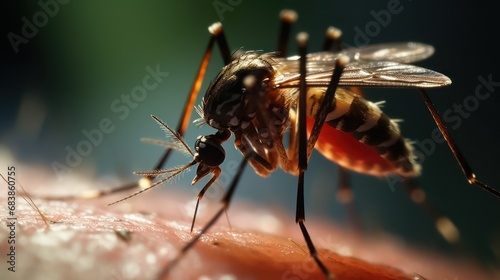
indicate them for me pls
(379, 65)
(402, 52)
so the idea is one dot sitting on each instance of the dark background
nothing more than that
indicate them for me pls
(87, 54)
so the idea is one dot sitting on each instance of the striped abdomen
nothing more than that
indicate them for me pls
(359, 136)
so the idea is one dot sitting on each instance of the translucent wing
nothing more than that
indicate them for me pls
(371, 74)
(404, 52)
(370, 66)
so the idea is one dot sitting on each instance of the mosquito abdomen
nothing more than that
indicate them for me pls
(360, 137)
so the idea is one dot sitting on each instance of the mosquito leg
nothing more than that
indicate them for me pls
(300, 219)
(225, 205)
(328, 103)
(332, 40)
(302, 105)
(442, 223)
(219, 37)
(200, 195)
(218, 32)
(302, 154)
(260, 164)
(346, 196)
(287, 17)
(466, 169)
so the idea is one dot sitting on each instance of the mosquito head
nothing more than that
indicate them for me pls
(209, 153)
(230, 98)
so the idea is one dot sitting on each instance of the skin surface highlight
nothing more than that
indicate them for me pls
(134, 239)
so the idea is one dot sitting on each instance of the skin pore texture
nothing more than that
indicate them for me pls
(86, 239)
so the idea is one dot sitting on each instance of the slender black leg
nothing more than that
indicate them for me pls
(466, 169)
(328, 104)
(287, 17)
(300, 219)
(344, 194)
(302, 154)
(332, 40)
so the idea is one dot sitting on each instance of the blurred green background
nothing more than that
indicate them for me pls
(86, 55)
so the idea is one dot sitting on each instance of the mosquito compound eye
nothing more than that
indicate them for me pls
(208, 151)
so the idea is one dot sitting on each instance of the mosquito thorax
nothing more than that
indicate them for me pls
(243, 87)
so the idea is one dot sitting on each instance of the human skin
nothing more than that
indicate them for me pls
(136, 239)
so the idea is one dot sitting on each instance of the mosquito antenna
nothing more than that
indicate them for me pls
(177, 137)
(151, 173)
(169, 145)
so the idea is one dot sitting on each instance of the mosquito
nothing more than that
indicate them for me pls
(258, 97)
